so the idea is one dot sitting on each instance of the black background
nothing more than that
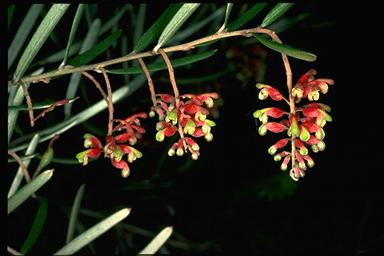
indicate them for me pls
(336, 208)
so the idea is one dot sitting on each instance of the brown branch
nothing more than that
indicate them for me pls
(29, 103)
(132, 56)
(171, 77)
(150, 82)
(110, 104)
(22, 165)
(97, 84)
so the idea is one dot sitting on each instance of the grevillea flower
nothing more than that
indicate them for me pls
(308, 87)
(188, 118)
(303, 125)
(115, 147)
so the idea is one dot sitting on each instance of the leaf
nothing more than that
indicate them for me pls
(23, 32)
(37, 226)
(155, 30)
(37, 105)
(158, 241)
(39, 37)
(92, 233)
(275, 13)
(75, 24)
(113, 21)
(74, 81)
(286, 49)
(20, 174)
(139, 23)
(227, 13)
(74, 213)
(174, 25)
(162, 66)
(96, 50)
(247, 16)
(25, 192)
(10, 11)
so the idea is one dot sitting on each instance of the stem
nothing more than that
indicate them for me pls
(110, 104)
(150, 82)
(171, 77)
(98, 86)
(132, 56)
(22, 165)
(288, 72)
(29, 103)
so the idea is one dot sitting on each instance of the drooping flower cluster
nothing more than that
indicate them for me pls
(187, 116)
(116, 145)
(304, 125)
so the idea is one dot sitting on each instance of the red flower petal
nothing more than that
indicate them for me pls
(275, 127)
(274, 94)
(309, 76)
(166, 98)
(93, 153)
(170, 131)
(312, 112)
(274, 112)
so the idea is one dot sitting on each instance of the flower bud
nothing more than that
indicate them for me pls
(208, 137)
(160, 136)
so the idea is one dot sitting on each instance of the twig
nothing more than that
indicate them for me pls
(150, 82)
(22, 165)
(110, 104)
(97, 84)
(133, 56)
(171, 76)
(176, 93)
(29, 103)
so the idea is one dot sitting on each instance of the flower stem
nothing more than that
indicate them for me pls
(150, 82)
(110, 104)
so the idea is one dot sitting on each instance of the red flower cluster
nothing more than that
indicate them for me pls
(189, 117)
(115, 147)
(304, 126)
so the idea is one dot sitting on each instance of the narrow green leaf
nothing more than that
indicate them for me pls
(139, 23)
(39, 37)
(20, 174)
(74, 213)
(10, 11)
(23, 32)
(25, 192)
(113, 20)
(158, 241)
(174, 25)
(26, 157)
(194, 27)
(75, 79)
(227, 13)
(75, 24)
(37, 227)
(275, 13)
(59, 55)
(162, 66)
(286, 49)
(37, 105)
(157, 27)
(96, 50)
(92, 233)
(247, 16)
(46, 158)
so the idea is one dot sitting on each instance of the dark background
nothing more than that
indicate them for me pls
(214, 204)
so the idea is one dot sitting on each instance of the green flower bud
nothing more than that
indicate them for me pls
(171, 152)
(304, 134)
(208, 137)
(160, 136)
